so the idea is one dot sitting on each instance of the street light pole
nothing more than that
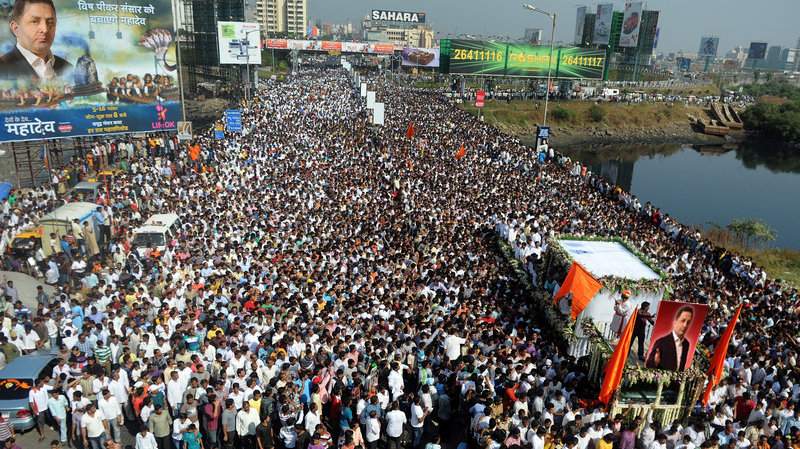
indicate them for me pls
(550, 61)
(247, 65)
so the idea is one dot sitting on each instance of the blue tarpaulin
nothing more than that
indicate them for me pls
(5, 189)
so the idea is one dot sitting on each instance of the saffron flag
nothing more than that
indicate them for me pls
(616, 364)
(410, 131)
(583, 287)
(461, 153)
(718, 361)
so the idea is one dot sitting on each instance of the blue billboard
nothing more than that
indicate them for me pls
(96, 68)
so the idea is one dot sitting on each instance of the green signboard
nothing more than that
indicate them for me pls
(577, 62)
(477, 57)
(504, 59)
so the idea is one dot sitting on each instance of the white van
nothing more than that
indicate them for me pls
(158, 231)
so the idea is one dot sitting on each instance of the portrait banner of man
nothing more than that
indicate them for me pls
(33, 24)
(675, 335)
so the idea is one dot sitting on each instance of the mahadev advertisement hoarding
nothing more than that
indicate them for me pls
(398, 16)
(708, 47)
(675, 334)
(580, 21)
(420, 57)
(239, 43)
(631, 22)
(502, 59)
(114, 70)
(758, 50)
(602, 23)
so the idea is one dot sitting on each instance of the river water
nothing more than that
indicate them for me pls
(706, 185)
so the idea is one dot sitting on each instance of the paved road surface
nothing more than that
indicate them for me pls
(26, 286)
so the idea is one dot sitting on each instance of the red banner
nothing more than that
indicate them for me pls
(479, 98)
(385, 49)
(331, 45)
(277, 43)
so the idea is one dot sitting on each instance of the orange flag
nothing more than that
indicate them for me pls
(410, 131)
(461, 153)
(718, 361)
(583, 287)
(616, 364)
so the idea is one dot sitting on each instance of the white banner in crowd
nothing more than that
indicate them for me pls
(363, 90)
(370, 100)
(377, 114)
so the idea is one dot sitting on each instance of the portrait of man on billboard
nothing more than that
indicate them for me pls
(33, 23)
(675, 335)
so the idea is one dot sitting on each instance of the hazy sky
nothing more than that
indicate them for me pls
(682, 22)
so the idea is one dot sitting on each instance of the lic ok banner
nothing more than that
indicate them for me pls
(83, 68)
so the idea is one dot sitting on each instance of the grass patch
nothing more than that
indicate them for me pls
(522, 116)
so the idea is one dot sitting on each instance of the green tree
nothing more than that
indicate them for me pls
(751, 232)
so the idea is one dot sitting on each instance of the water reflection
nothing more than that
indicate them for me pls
(702, 184)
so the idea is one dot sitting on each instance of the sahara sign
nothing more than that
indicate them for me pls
(398, 16)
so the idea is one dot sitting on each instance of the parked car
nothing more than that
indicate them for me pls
(85, 191)
(16, 380)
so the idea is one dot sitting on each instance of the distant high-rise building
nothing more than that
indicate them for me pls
(774, 58)
(533, 35)
(283, 16)
(401, 34)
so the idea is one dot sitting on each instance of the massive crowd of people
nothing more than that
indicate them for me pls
(339, 285)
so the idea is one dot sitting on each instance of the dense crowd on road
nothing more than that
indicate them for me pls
(339, 285)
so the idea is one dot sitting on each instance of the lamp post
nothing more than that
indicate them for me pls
(552, 16)
(247, 64)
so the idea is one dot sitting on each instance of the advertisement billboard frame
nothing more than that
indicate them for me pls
(568, 62)
(602, 21)
(411, 52)
(631, 25)
(386, 15)
(709, 46)
(580, 23)
(91, 91)
(229, 38)
(757, 51)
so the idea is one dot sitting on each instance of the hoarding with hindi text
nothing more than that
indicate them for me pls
(114, 70)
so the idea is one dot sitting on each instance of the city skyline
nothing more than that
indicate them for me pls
(682, 22)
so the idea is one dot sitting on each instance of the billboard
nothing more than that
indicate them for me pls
(398, 16)
(382, 48)
(477, 57)
(113, 70)
(675, 335)
(758, 50)
(580, 21)
(684, 64)
(631, 22)
(503, 59)
(239, 43)
(602, 23)
(708, 47)
(421, 57)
